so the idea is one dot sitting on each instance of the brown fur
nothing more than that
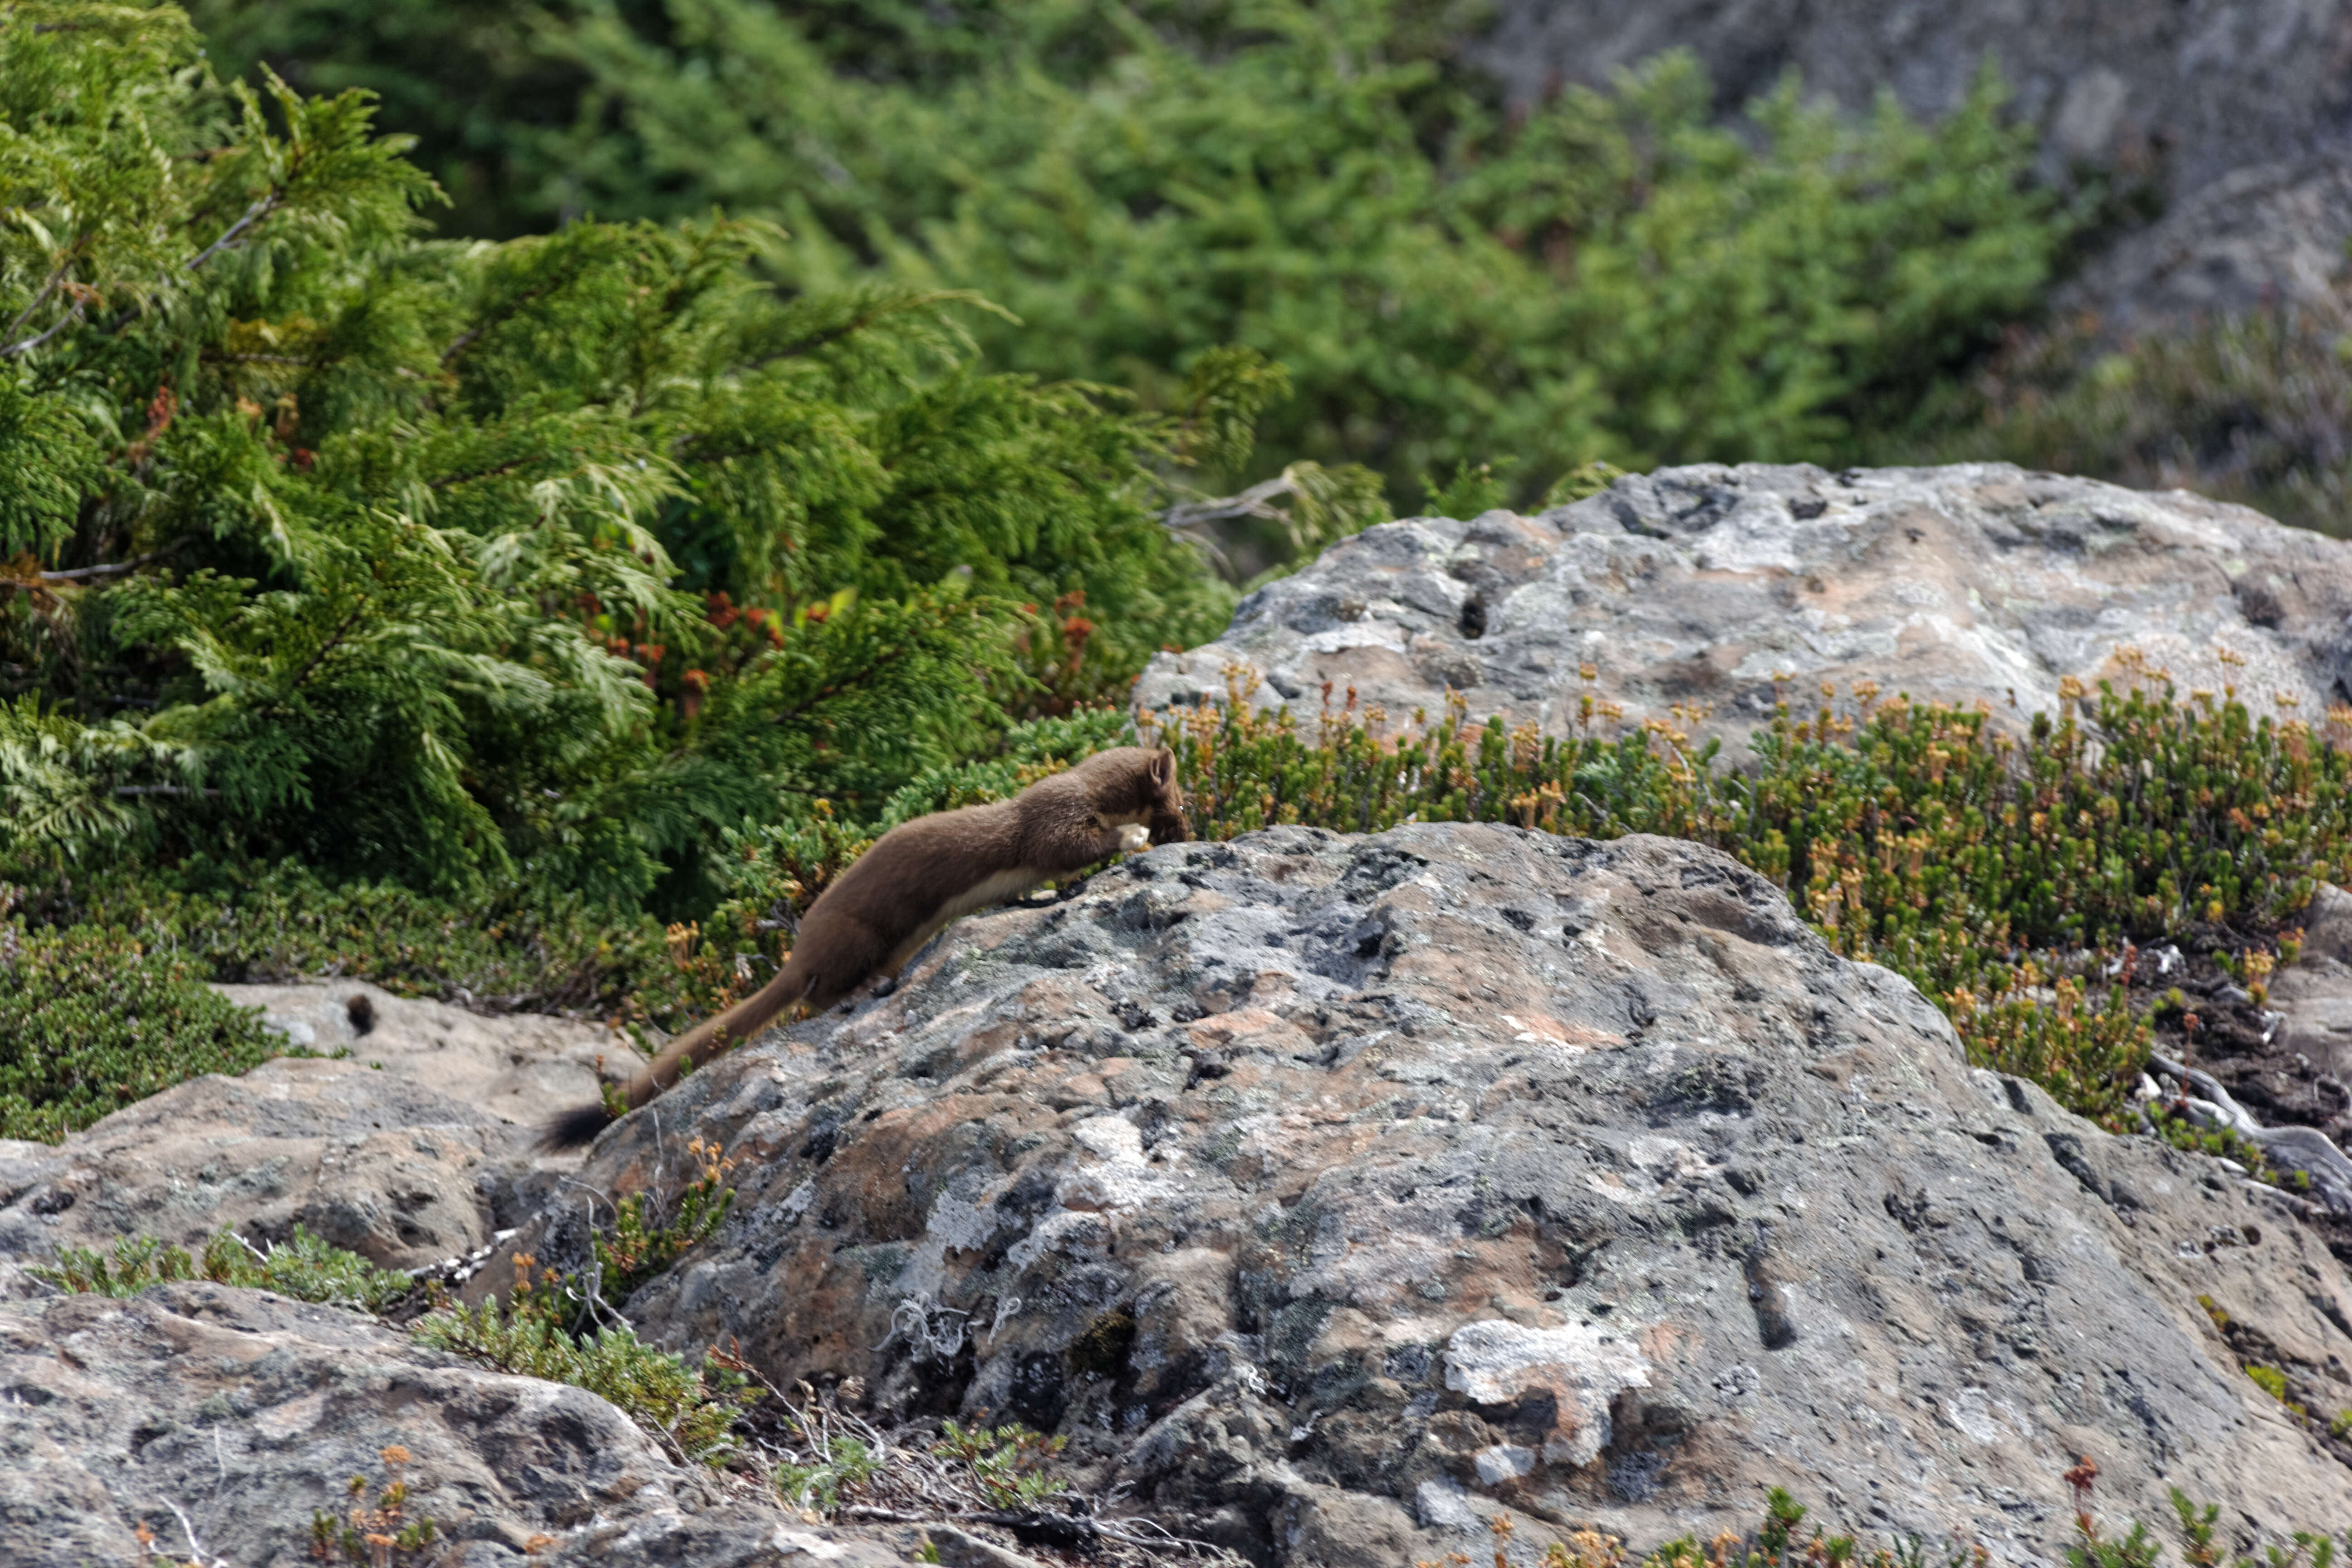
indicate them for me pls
(914, 880)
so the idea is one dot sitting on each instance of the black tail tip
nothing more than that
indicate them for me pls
(576, 1128)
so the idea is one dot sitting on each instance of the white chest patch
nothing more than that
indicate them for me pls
(990, 890)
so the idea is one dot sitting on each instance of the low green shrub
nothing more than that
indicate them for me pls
(2221, 1143)
(642, 1245)
(376, 1532)
(837, 1465)
(1008, 1465)
(692, 1409)
(2197, 1548)
(306, 1268)
(827, 1458)
(103, 998)
(95, 1017)
(503, 948)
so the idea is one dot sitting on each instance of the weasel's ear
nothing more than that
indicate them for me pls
(1163, 768)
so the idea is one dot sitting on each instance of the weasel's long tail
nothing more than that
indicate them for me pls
(581, 1124)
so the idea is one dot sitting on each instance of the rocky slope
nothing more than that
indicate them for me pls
(221, 1421)
(1333, 1194)
(413, 1149)
(1694, 587)
(2237, 113)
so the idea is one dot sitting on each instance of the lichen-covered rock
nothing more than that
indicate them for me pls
(248, 1414)
(1333, 1192)
(2313, 995)
(1690, 589)
(412, 1150)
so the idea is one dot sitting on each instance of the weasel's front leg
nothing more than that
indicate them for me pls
(1081, 846)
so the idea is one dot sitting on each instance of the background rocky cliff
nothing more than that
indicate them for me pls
(2235, 114)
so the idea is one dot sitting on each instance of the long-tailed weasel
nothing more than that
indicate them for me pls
(914, 880)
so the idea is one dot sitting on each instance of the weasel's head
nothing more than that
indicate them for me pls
(1138, 784)
(1167, 799)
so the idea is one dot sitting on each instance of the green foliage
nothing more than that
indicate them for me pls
(471, 82)
(1007, 1465)
(2138, 1549)
(507, 946)
(377, 1532)
(1445, 279)
(1601, 272)
(2124, 815)
(636, 1248)
(1473, 489)
(841, 1463)
(692, 1410)
(831, 1458)
(1584, 480)
(459, 564)
(94, 1017)
(2250, 408)
(1998, 874)
(2221, 1143)
(548, 1328)
(305, 1267)
(2199, 1551)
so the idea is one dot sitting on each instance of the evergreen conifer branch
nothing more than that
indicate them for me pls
(434, 562)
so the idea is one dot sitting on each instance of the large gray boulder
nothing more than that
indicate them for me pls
(1690, 589)
(1332, 1195)
(2236, 113)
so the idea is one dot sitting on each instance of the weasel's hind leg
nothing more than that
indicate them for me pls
(898, 957)
(840, 956)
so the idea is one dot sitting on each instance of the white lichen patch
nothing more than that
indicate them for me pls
(1120, 1176)
(1497, 1363)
